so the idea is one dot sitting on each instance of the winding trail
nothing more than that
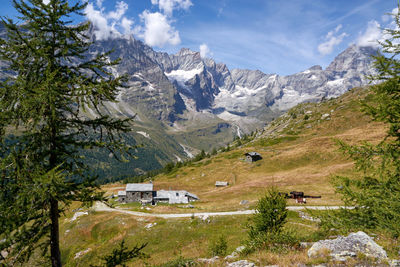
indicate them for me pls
(98, 206)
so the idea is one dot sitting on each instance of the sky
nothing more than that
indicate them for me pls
(282, 37)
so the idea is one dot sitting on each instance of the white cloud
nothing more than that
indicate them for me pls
(372, 34)
(106, 24)
(204, 50)
(120, 10)
(158, 30)
(168, 6)
(332, 39)
(46, 2)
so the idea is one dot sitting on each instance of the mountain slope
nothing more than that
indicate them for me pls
(185, 103)
(299, 153)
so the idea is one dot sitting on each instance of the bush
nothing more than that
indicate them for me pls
(219, 247)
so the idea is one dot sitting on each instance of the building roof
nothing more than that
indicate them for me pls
(252, 154)
(139, 187)
(121, 193)
(164, 194)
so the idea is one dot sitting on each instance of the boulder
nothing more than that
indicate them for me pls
(241, 263)
(235, 254)
(343, 247)
(209, 261)
(325, 116)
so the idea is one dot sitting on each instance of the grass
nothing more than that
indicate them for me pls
(167, 241)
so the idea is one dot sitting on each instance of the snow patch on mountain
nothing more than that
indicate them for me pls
(187, 151)
(337, 82)
(144, 134)
(182, 76)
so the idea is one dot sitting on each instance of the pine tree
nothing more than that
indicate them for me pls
(376, 193)
(54, 82)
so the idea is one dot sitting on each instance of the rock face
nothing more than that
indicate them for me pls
(349, 246)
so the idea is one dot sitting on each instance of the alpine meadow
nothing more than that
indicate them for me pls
(177, 133)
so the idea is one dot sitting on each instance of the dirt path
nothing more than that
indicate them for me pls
(102, 207)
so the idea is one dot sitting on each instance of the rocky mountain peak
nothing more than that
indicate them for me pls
(354, 57)
(315, 67)
(186, 51)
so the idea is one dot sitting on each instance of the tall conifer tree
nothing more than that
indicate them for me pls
(52, 83)
(375, 195)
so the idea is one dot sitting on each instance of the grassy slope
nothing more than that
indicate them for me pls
(298, 154)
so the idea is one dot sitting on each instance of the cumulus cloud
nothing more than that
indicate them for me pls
(204, 50)
(107, 24)
(168, 6)
(372, 34)
(332, 39)
(157, 30)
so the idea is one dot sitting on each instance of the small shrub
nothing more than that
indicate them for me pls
(266, 227)
(219, 247)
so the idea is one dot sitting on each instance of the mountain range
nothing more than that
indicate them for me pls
(182, 103)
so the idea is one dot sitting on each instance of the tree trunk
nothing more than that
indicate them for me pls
(54, 234)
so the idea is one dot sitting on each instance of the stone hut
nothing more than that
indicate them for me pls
(252, 156)
(139, 193)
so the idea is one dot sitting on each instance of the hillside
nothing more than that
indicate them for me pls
(299, 153)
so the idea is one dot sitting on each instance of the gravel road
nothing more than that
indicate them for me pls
(102, 207)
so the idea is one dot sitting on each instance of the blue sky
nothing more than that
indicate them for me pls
(273, 36)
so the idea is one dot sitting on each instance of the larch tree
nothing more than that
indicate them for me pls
(43, 128)
(375, 194)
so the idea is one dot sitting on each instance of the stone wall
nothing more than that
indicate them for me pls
(139, 196)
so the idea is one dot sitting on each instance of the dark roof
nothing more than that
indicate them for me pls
(252, 154)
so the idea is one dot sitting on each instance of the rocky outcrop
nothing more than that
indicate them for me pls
(344, 247)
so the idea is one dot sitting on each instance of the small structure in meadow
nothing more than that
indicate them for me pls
(252, 156)
(221, 184)
(122, 196)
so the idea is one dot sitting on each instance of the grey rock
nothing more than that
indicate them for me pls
(235, 253)
(4, 254)
(241, 263)
(306, 244)
(325, 116)
(244, 202)
(344, 247)
(208, 261)
(394, 263)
